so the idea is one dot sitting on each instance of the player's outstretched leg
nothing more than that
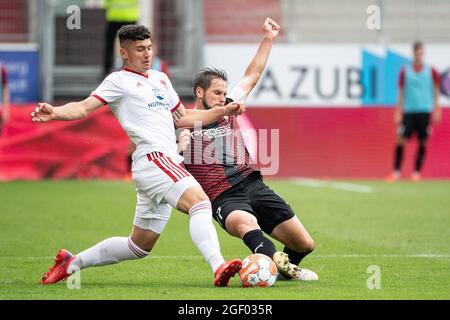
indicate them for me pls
(109, 251)
(59, 270)
(227, 270)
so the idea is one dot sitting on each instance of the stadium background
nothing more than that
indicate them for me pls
(335, 135)
(330, 84)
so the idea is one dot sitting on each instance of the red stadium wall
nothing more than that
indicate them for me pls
(347, 142)
(322, 143)
(91, 148)
(222, 17)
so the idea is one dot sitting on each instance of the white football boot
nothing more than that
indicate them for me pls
(306, 275)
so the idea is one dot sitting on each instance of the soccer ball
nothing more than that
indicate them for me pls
(258, 270)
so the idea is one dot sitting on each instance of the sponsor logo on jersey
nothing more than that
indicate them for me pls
(213, 132)
(158, 94)
(160, 103)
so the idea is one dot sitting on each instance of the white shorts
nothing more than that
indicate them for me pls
(160, 182)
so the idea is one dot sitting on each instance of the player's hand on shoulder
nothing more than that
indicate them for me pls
(271, 28)
(42, 113)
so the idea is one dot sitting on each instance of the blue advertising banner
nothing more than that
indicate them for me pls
(22, 66)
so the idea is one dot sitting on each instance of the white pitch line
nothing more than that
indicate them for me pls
(420, 255)
(345, 256)
(315, 183)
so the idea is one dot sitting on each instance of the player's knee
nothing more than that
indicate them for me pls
(190, 198)
(239, 223)
(198, 196)
(143, 239)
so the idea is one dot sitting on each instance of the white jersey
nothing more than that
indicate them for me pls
(143, 104)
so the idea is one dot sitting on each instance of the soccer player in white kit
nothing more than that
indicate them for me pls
(148, 109)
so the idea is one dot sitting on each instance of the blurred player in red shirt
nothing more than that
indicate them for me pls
(418, 102)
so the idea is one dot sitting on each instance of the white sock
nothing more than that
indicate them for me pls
(204, 234)
(109, 251)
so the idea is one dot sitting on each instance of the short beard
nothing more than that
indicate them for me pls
(206, 106)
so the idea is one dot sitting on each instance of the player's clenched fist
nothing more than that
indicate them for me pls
(42, 113)
(234, 108)
(271, 28)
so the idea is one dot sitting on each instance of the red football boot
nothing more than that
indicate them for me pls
(58, 271)
(227, 270)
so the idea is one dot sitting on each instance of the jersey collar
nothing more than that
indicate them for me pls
(129, 70)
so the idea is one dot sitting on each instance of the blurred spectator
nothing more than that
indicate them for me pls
(418, 99)
(118, 14)
(4, 102)
(158, 63)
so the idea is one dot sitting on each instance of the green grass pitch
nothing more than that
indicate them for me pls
(402, 229)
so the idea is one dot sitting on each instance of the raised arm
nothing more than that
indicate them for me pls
(256, 67)
(186, 118)
(45, 112)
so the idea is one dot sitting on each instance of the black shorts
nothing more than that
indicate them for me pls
(415, 122)
(252, 195)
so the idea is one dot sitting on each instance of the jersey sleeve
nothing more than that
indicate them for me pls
(110, 90)
(436, 76)
(238, 94)
(172, 96)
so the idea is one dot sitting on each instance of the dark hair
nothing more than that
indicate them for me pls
(204, 78)
(133, 32)
(417, 45)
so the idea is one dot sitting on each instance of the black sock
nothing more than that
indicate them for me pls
(294, 256)
(420, 156)
(257, 243)
(398, 157)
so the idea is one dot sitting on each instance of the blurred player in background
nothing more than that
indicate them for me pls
(242, 204)
(118, 14)
(148, 108)
(418, 100)
(4, 102)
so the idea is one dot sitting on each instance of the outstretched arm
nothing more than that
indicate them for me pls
(256, 67)
(45, 112)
